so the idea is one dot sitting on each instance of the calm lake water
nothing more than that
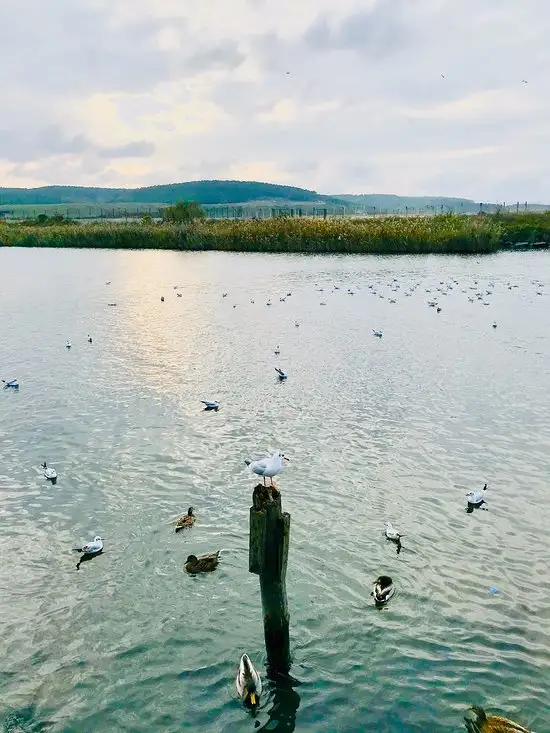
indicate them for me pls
(397, 429)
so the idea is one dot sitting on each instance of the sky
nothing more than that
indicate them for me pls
(412, 97)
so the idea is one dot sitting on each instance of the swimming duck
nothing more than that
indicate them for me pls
(491, 723)
(248, 682)
(203, 563)
(476, 498)
(277, 351)
(495, 324)
(296, 324)
(180, 295)
(383, 590)
(89, 339)
(49, 473)
(281, 373)
(211, 405)
(162, 298)
(68, 345)
(12, 383)
(378, 334)
(185, 521)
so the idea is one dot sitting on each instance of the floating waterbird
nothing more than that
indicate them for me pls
(383, 590)
(224, 295)
(89, 339)
(268, 302)
(379, 334)
(438, 309)
(162, 298)
(11, 384)
(185, 521)
(268, 467)
(112, 304)
(68, 345)
(89, 551)
(391, 533)
(281, 373)
(491, 723)
(49, 473)
(495, 324)
(475, 499)
(296, 324)
(203, 563)
(108, 283)
(248, 682)
(211, 405)
(277, 351)
(92, 548)
(180, 295)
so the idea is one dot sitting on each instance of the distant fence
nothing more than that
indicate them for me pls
(248, 211)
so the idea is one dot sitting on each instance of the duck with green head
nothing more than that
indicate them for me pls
(484, 723)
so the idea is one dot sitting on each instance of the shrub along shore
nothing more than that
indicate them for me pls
(446, 234)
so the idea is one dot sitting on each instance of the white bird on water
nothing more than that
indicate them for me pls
(92, 548)
(391, 533)
(49, 473)
(281, 373)
(268, 467)
(476, 498)
(211, 405)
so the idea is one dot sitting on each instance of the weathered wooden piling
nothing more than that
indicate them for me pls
(267, 557)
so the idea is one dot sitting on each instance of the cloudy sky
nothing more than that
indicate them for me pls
(389, 96)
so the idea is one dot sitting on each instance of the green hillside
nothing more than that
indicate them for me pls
(391, 202)
(206, 192)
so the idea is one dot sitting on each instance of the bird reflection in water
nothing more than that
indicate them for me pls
(286, 701)
(87, 557)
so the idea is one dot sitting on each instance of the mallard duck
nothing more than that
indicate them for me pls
(383, 590)
(491, 723)
(187, 520)
(202, 564)
(248, 682)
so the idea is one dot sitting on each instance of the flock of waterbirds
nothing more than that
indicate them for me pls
(248, 681)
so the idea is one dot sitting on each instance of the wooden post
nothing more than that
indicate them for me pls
(267, 557)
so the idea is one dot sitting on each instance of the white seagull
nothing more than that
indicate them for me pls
(211, 405)
(49, 473)
(92, 548)
(391, 533)
(476, 498)
(13, 383)
(268, 467)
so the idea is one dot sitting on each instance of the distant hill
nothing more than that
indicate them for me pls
(390, 202)
(206, 192)
(241, 193)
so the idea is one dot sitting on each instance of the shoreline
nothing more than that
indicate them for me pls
(444, 234)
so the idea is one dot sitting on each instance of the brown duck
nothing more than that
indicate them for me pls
(203, 563)
(187, 520)
(492, 723)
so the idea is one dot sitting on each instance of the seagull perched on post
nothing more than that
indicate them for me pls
(268, 467)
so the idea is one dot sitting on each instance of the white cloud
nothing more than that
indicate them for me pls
(403, 96)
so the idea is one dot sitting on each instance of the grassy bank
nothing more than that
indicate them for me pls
(392, 235)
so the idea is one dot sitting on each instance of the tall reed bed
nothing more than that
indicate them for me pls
(392, 235)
